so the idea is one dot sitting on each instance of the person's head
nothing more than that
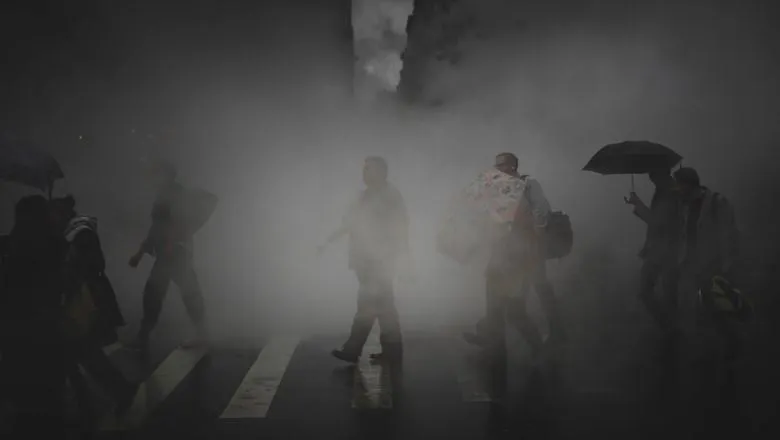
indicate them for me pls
(507, 163)
(661, 177)
(31, 214)
(374, 171)
(161, 172)
(688, 182)
(62, 210)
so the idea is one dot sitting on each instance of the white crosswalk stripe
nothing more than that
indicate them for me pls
(159, 386)
(253, 398)
(256, 393)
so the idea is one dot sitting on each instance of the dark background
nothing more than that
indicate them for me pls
(252, 101)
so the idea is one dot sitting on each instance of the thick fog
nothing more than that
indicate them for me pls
(255, 107)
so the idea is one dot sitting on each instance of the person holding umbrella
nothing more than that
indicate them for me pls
(663, 218)
(662, 244)
(33, 357)
(92, 311)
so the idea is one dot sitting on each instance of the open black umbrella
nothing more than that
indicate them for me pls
(632, 157)
(22, 163)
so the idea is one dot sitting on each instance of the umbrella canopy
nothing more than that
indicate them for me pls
(22, 163)
(632, 157)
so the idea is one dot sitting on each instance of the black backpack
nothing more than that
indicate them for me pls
(558, 234)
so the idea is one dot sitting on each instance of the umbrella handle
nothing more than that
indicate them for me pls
(632, 183)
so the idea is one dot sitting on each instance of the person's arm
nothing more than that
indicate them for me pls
(642, 211)
(341, 231)
(402, 218)
(540, 207)
(147, 246)
(337, 234)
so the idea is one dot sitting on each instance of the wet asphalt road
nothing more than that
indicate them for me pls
(433, 397)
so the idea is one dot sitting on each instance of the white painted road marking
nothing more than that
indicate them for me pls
(372, 385)
(256, 392)
(110, 349)
(158, 387)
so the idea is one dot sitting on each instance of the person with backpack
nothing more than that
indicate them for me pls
(517, 262)
(709, 257)
(713, 310)
(170, 241)
(662, 245)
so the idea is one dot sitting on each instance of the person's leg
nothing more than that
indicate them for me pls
(648, 278)
(97, 364)
(363, 321)
(671, 302)
(154, 294)
(84, 399)
(187, 280)
(38, 391)
(548, 301)
(517, 314)
(480, 337)
(498, 288)
(389, 321)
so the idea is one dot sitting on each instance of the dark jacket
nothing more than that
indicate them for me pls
(664, 226)
(30, 288)
(85, 264)
(30, 319)
(166, 233)
(711, 236)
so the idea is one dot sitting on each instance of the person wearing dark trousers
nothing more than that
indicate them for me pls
(378, 228)
(34, 360)
(516, 264)
(709, 270)
(375, 303)
(664, 219)
(91, 309)
(169, 241)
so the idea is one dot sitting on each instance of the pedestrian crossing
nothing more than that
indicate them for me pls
(256, 393)
(254, 396)
(373, 387)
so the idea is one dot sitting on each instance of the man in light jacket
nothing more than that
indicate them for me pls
(377, 225)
